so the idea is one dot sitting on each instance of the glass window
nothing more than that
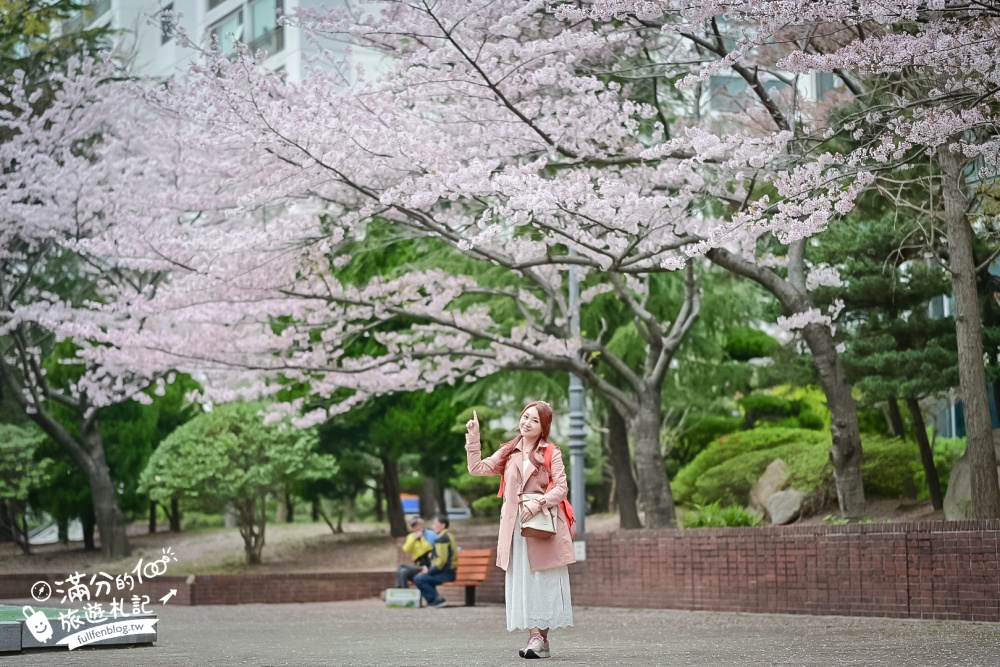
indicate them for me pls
(229, 31)
(262, 18)
(167, 23)
(265, 34)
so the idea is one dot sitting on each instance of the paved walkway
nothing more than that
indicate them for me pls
(367, 633)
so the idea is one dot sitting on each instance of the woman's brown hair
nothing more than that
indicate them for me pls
(544, 420)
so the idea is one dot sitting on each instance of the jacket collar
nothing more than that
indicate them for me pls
(540, 446)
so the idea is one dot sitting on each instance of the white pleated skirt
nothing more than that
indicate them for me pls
(535, 599)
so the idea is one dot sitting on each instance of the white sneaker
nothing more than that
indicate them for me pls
(537, 648)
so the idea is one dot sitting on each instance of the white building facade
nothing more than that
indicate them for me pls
(153, 48)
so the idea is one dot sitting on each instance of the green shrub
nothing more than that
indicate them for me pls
(728, 467)
(781, 408)
(766, 405)
(487, 506)
(699, 431)
(890, 466)
(872, 420)
(716, 516)
(731, 481)
(744, 343)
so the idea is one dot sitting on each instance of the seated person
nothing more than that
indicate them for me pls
(419, 545)
(442, 567)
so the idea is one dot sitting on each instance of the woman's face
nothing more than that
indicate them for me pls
(531, 425)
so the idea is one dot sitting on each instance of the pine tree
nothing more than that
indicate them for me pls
(895, 350)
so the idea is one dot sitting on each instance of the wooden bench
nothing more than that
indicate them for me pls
(472, 569)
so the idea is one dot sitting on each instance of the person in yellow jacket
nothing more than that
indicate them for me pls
(419, 545)
(442, 567)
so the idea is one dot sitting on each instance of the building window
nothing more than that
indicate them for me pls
(167, 23)
(229, 31)
(261, 32)
(265, 34)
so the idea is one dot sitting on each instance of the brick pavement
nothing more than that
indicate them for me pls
(366, 633)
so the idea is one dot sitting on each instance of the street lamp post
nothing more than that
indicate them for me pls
(577, 431)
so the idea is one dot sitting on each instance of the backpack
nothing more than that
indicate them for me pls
(564, 505)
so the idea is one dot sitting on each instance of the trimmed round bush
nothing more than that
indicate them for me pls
(727, 468)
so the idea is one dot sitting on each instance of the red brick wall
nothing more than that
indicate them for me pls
(945, 570)
(295, 587)
(227, 589)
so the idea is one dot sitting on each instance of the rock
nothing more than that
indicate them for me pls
(785, 506)
(774, 479)
(958, 499)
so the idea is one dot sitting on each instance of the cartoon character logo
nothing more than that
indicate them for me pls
(38, 624)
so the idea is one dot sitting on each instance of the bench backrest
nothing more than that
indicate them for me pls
(473, 564)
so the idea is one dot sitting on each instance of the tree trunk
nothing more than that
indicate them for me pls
(845, 452)
(152, 516)
(315, 509)
(442, 502)
(23, 538)
(926, 454)
(968, 331)
(281, 507)
(14, 523)
(87, 452)
(290, 507)
(429, 498)
(175, 515)
(379, 495)
(626, 491)
(654, 488)
(252, 514)
(110, 520)
(8, 521)
(393, 503)
(896, 418)
(87, 522)
(322, 513)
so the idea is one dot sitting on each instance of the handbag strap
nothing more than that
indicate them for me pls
(564, 504)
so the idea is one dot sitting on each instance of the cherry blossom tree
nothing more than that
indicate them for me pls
(917, 82)
(500, 131)
(69, 171)
(922, 82)
(531, 141)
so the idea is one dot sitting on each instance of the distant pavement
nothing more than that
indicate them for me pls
(367, 633)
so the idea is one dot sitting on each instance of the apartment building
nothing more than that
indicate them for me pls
(152, 45)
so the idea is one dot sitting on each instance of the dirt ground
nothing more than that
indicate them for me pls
(311, 547)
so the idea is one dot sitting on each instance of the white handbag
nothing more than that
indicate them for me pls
(542, 525)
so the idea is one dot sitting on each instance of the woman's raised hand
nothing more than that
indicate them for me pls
(473, 424)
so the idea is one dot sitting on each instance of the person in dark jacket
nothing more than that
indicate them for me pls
(442, 567)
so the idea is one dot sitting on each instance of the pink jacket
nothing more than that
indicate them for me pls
(543, 554)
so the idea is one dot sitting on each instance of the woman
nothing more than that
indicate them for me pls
(537, 576)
